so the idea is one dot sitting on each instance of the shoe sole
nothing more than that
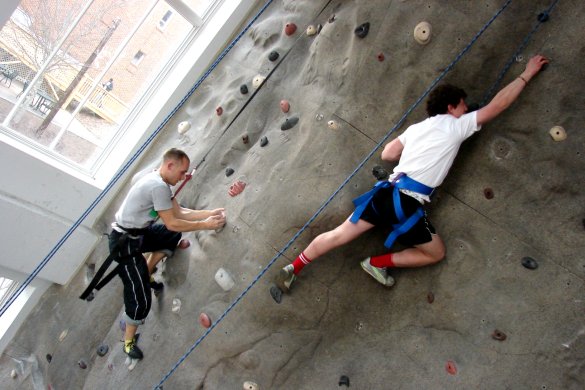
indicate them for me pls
(388, 281)
(282, 277)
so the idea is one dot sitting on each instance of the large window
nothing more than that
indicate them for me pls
(73, 70)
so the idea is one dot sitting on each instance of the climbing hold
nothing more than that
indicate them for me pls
(183, 127)
(543, 17)
(311, 30)
(276, 294)
(111, 367)
(49, 357)
(102, 350)
(236, 188)
(331, 19)
(184, 244)
(273, 56)
(223, 278)
(344, 381)
(13, 374)
(176, 305)
(380, 173)
(63, 335)
(245, 139)
(498, 335)
(263, 141)
(430, 297)
(422, 33)
(362, 30)
(332, 125)
(319, 117)
(289, 123)
(284, 106)
(451, 368)
(82, 364)
(529, 262)
(243, 89)
(558, 133)
(380, 56)
(290, 28)
(204, 320)
(319, 28)
(219, 111)
(488, 193)
(257, 82)
(229, 172)
(250, 386)
(90, 297)
(122, 325)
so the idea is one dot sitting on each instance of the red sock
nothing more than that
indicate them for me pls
(382, 261)
(300, 262)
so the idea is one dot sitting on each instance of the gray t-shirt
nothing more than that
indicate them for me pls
(149, 194)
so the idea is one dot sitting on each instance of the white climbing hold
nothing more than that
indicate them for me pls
(176, 305)
(63, 335)
(558, 133)
(223, 278)
(248, 385)
(422, 33)
(311, 30)
(13, 374)
(183, 127)
(333, 125)
(257, 81)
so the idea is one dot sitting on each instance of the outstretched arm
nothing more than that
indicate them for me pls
(181, 219)
(510, 93)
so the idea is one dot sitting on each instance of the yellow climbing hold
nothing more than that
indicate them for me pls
(422, 33)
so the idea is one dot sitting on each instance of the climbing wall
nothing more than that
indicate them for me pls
(280, 126)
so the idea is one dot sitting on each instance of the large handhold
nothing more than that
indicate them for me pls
(422, 33)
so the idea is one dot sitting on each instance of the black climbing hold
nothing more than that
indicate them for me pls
(344, 381)
(49, 357)
(245, 139)
(543, 17)
(472, 107)
(498, 335)
(263, 141)
(90, 297)
(289, 123)
(244, 89)
(276, 294)
(331, 18)
(529, 262)
(102, 350)
(229, 172)
(380, 173)
(362, 30)
(273, 56)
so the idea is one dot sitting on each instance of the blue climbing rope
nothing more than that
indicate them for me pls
(123, 170)
(364, 161)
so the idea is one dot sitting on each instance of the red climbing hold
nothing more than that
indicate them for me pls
(204, 320)
(451, 368)
(290, 28)
(184, 244)
(380, 56)
(284, 106)
(237, 188)
(219, 111)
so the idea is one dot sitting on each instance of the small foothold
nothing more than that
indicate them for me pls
(430, 297)
(380, 173)
(183, 127)
(380, 56)
(122, 325)
(311, 30)
(284, 106)
(290, 28)
(263, 141)
(248, 385)
(219, 111)
(176, 305)
(276, 294)
(236, 188)
(332, 125)
(63, 335)
(90, 297)
(273, 56)
(362, 30)
(111, 367)
(49, 357)
(102, 350)
(451, 368)
(184, 244)
(543, 17)
(289, 123)
(257, 82)
(243, 89)
(331, 19)
(422, 33)
(82, 364)
(319, 28)
(344, 381)
(229, 172)
(558, 133)
(245, 139)
(529, 262)
(488, 193)
(204, 320)
(319, 117)
(519, 58)
(13, 374)
(498, 335)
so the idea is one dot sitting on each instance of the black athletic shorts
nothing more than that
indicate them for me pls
(380, 212)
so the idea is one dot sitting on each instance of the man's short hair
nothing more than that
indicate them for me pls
(442, 96)
(175, 154)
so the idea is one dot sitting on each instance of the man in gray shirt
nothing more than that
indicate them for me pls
(135, 232)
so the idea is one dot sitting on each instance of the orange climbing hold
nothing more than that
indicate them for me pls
(237, 188)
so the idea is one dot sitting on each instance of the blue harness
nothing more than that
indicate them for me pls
(404, 224)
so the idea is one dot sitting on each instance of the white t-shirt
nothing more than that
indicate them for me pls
(430, 147)
(149, 193)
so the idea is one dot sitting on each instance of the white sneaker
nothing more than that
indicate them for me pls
(380, 274)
